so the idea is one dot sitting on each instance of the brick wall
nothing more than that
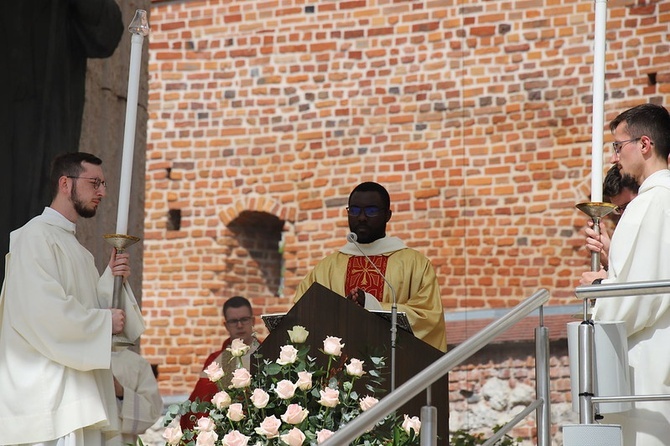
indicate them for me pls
(476, 116)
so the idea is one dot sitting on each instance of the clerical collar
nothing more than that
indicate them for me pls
(55, 218)
(378, 247)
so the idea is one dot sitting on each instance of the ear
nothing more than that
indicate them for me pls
(388, 217)
(64, 185)
(646, 145)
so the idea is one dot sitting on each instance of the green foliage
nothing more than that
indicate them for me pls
(322, 414)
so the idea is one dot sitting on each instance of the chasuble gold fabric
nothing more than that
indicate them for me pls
(410, 273)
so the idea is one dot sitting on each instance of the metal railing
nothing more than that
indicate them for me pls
(442, 366)
(587, 397)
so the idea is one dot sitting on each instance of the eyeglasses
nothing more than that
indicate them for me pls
(618, 145)
(369, 211)
(96, 182)
(242, 320)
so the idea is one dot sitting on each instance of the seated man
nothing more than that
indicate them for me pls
(138, 399)
(348, 273)
(239, 321)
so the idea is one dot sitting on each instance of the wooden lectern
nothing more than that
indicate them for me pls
(325, 313)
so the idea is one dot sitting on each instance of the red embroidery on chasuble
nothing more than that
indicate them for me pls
(363, 275)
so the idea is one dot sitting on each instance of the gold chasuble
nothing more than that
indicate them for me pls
(409, 271)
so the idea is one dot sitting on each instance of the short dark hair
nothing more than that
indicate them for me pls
(69, 164)
(615, 183)
(370, 186)
(236, 302)
(647, 120)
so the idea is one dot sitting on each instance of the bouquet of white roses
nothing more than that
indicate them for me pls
(290, 401)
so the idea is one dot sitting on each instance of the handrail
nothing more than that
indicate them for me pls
(513, 422)
(436, 370)
(587, 397)
(605, 290)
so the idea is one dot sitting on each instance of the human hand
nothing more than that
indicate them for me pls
(598, 242)
(589, 276)
(118, 320)
(119, 263)
(357, 295)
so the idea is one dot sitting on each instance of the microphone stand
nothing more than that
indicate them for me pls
(352, 237)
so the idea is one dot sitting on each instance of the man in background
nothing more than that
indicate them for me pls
(640, 252)
(239, 321)
(137, 396)
(348, 273)
(619, 190)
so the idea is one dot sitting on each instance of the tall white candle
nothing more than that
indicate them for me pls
(139, 27)
(598, 102)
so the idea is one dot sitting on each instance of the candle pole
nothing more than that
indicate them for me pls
(139, 27)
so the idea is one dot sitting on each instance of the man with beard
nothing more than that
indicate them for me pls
(348, 273)
(639, 251)
(56, 324)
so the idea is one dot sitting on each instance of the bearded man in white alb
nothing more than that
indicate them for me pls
(640, 251)
(56, 323)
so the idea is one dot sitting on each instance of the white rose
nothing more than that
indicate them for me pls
(206, 424)
(332, 346)
(221, 400)
(368, 402)
(298, 334)
(235, 438)
(304, 380)
(260, 398)
(269, 428)
(285, 389)
(329, 397)
(355, 367)
(214, 372)
(295, 437)
(235, 412)
(241, 379)
(287, 355)
(206, 438)
(411, 423)
(294, 414)
(238, 348)
(323, 435)
(173, 435)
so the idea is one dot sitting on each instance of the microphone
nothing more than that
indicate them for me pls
(352, 237)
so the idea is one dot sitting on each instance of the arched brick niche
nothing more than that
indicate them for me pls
(258, 225)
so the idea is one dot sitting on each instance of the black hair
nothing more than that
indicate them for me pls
(69, 164)
(615, 183)
(370, 186)
(236, 302)
(647, 120)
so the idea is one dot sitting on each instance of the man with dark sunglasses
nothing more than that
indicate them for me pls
(349, 273)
